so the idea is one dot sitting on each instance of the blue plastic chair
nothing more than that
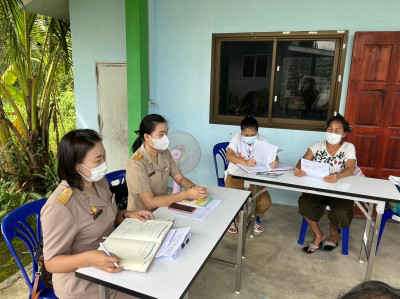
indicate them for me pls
(388, 214)
(220, 149)
(15, 225)
(345, 236)
(113, 177)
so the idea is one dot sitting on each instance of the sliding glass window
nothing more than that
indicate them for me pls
(285, 80)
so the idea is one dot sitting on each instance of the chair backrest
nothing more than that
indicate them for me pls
(220, 149)
(117, 182)
(24, 223)
(116, 177)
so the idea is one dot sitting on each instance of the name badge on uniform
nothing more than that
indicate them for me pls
(166, 168)
(150, 169)
(95, 212)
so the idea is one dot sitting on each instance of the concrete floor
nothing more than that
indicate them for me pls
(276, 267)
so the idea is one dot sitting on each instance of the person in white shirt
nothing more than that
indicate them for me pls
(341, 157)
(240, 151)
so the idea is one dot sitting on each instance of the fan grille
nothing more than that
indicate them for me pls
(186, 146)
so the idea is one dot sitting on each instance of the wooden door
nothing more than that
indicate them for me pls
(113, 113)
(373, 102)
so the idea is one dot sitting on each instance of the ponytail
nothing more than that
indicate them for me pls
(138, 142)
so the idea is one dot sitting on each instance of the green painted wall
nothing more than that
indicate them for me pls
(137, 59)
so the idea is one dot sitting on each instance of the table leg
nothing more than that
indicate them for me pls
(244, 231)
(240, 249)
(368, 223)
(380, 207)
(253, 211)
(103, 292)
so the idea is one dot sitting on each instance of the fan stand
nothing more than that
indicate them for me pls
(177, 155)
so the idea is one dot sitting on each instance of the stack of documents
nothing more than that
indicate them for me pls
(174, 242)
(264, 153)
(200, 213)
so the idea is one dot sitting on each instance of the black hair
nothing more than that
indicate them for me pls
(371, 289)
(249, 122)
(147, 126)
(340, 118)
(72, 150)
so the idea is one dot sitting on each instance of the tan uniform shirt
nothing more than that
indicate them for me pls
(75, 223)
(143, 175)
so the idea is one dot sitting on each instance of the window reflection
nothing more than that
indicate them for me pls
(303, 79)
(245, 78)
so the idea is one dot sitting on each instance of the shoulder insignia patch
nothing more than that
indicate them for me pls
(138, 156)
(65, 196)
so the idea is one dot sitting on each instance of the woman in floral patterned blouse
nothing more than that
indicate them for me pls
(341, 157)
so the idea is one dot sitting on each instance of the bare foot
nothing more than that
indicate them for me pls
(317, 240)
(334, 238)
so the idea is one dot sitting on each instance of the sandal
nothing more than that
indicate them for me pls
(329, 246)
(232, 228)
(310, 246)
(258, 228)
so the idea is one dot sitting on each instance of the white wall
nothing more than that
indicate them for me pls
(180, 58)
(98, 35)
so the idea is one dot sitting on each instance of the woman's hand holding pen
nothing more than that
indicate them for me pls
(99, 259)
(251, 162)
(197, 192)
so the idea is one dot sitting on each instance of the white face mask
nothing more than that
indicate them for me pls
(160, 144)
(97, 173)
(249, 140)
(333, 138)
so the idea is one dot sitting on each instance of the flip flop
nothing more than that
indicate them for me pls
(310, 246)
(329, 246)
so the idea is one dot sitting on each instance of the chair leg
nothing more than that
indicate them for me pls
(303, 231)
(386, 215)
(345, 240)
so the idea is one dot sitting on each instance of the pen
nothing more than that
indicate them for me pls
(107, 252)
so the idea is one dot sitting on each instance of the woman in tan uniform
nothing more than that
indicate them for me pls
(79, 213)
(148, 170)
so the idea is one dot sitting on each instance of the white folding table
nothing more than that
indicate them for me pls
(167, 278)
(365, 192)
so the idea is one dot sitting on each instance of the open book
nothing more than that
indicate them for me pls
(137, 242)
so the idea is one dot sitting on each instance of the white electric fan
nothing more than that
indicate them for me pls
(186, 152)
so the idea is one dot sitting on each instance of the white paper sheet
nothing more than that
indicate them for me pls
(262, 169)
(315, 169)
(264, 153)
(173, 242)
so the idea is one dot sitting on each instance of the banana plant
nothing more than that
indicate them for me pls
(35, 51)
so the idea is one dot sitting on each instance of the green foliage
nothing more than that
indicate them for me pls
(35, 77)
(12, 197)
(65, 110)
